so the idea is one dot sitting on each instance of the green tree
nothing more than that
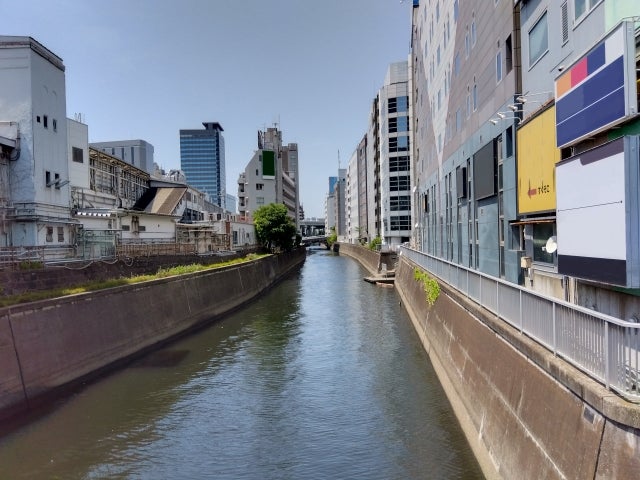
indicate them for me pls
(274, 228)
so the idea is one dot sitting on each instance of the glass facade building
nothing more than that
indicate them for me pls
(202, 160)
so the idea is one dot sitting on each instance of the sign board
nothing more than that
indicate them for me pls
(599, 89)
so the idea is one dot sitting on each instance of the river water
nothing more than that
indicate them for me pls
(322, 378)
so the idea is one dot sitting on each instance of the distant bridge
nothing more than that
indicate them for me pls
(314, 240)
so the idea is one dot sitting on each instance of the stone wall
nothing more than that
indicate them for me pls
(53, 343)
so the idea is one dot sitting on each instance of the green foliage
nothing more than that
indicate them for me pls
(333, 238)
(375, 243)
(431, 286)
(274, 227)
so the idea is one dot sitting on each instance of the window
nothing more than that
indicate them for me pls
(397, 184)
(49, 234)
(56, 180)
(38, 118)
(538, 40)
(399, 164)
(466, 43)
(499, 67)
(398, 104)
(259, 200)
(399, 144)
(398, 124)
(508, 54)
(60, 234)
(45, 121)
(125, 228)
(259, 186)
(401, 222)
(455, 10)
(77, 155)
(55, 125)
(399, 203)
(583, 7)
(473, 30)
(475, 96)
(47, 179)
(541, 233)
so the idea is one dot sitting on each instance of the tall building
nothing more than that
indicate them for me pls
(135, 152)
(271, 176)
(202, 160)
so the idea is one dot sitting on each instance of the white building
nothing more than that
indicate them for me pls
(34, 174)
(271, 176)
(352, 196)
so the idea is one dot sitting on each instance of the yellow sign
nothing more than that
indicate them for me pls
(537, 156)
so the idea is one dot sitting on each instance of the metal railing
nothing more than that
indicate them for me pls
(604, 347)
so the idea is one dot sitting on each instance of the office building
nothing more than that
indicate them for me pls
(135, 152)
(202, 161)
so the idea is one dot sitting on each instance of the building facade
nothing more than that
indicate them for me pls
(271, 176)
(135, 152)
(34, 174)
(203, 162)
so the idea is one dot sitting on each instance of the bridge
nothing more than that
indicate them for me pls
(314, 240)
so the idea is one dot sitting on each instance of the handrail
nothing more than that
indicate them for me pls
(604, 347)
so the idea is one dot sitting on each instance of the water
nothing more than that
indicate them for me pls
(322, 378)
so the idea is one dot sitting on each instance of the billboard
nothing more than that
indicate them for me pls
(536, 159)
(598, 214)
(599, 89)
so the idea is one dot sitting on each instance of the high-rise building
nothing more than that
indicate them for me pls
(202, 160)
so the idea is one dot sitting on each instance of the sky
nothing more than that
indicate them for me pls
(144, 69)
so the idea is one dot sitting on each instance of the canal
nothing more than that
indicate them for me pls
(322, 378)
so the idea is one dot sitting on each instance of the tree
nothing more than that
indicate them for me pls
(274, 228)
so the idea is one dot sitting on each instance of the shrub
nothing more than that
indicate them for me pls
(431, 286)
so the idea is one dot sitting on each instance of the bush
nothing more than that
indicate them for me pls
(375, 243)
(431, 286)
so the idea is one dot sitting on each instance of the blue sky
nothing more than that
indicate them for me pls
(147, 68)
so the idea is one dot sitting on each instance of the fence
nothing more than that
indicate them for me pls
(604, 347)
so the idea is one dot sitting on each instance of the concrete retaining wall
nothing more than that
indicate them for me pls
(526, 413)
(48, 344)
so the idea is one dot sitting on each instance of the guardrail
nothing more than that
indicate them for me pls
(604, 347)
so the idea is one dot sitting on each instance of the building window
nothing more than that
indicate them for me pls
(538, 40)
(473, 30)
(54, 123)
(398, 144)
(583, 7)
(77, 154)
(541, 233)
(455, 10)
(60, 234)
(259, 200)
(125, 228)
(398, 184)
(398, 104)
(475, 96)
(47, 179)
(49, 234)
(259, 186)
(499, 67)
(38, 118)
(45, 121)
(399, 164)
(508, 55)
(397, 204)
(401, 222)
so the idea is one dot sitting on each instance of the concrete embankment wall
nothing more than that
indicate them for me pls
(48, 344)
(526, 413)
